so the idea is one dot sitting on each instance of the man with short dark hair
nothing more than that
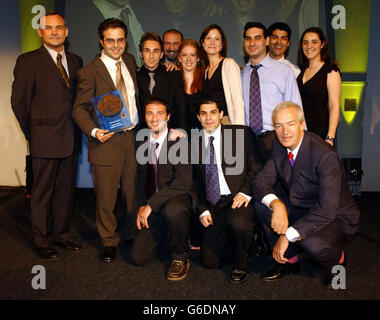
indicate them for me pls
(222, 183)
(164, 195)
(317, 213)
(279, 43)
(43, 94)
(112, 155)
(172, 39)
(154, 80)
(266, 83)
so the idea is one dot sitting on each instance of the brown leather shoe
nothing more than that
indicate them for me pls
(178, 270)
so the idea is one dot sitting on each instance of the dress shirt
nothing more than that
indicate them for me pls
(277, 84)
(224, 189)
(295, 69)
(111, 67)
(54, 54)
(291, 234)
(160, 140)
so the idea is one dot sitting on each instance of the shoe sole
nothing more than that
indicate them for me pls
(237, 283)
(180, 278)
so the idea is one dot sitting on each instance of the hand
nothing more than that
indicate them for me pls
(176, 133)
(329, 142)
(239, 200)
(170, 66)
(103, 135)
(142, 216)
(279, 222)
(207, 220)
(280, 248)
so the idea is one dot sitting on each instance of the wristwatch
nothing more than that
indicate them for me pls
(330, 139)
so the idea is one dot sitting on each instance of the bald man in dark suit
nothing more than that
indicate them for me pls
(42, 98)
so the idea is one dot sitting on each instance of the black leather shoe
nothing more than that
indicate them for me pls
(178, 270)
(278, 270)
(47, 253)
(108, 254)
(69, 245)
(238, 276)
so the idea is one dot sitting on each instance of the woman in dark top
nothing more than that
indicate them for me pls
(222, 78)
(319, 83)
(189, 54)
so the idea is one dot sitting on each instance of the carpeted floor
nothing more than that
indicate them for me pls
(80, 275)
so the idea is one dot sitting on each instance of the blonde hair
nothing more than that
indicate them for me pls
(289, 104)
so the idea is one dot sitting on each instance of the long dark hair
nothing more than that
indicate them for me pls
(303, 61)
(205, 32)
(199, 73)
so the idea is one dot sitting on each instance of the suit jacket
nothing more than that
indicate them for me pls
(316, 186)
(236, 182)
(172, 179)
(169, 86)
(94, 80)
(42, 103)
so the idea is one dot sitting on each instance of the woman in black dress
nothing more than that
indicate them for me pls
(193, 73)
(319, 83)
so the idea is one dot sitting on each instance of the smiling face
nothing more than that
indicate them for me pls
(255, 44)
(213, 42)
(113, 42)
(278, 44)
(53, 32)
(209, 116)
(188, 58)
(156, 117)
(289, 129)
(312, 45)
(172, 41)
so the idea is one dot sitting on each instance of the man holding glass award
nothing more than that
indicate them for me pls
(106, 110)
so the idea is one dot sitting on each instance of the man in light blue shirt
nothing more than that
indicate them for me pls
(277, 83)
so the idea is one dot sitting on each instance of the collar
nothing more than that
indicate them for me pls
(160, 140)
(296, 149)
(266, 62)
(109, 62)
(216, 134)
(54, 53)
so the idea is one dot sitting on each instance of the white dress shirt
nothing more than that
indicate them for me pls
(110, 64)
(291, 234)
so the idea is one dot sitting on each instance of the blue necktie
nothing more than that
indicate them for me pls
(212, 179)
(255, 112)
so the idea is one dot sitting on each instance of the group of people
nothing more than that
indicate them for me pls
(252, 162)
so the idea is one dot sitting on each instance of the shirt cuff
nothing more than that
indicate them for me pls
(93, 132)
(205, 213)
(268, 199)
(248, 197)
(292, 234)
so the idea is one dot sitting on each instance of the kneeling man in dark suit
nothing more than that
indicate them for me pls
(222, 184)
(163, 189)
(318, 213)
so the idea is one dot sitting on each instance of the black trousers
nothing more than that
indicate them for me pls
(229, 236)
(323, 247)
(170, 226)
(52, 200)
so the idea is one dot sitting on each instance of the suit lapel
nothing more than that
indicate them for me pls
(302, 158)
(51, 64)
(103, 73)
(286, 168)
(131, 71)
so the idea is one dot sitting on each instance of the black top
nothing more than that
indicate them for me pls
(191, 119)
(315, 99)
(214, 86)
(169, 86)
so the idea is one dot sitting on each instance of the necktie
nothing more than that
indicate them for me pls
(151, 176)
(120, 85)
(255, 112)
(152, 83)
(212, 179)
(291, 159)
(62, 70)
